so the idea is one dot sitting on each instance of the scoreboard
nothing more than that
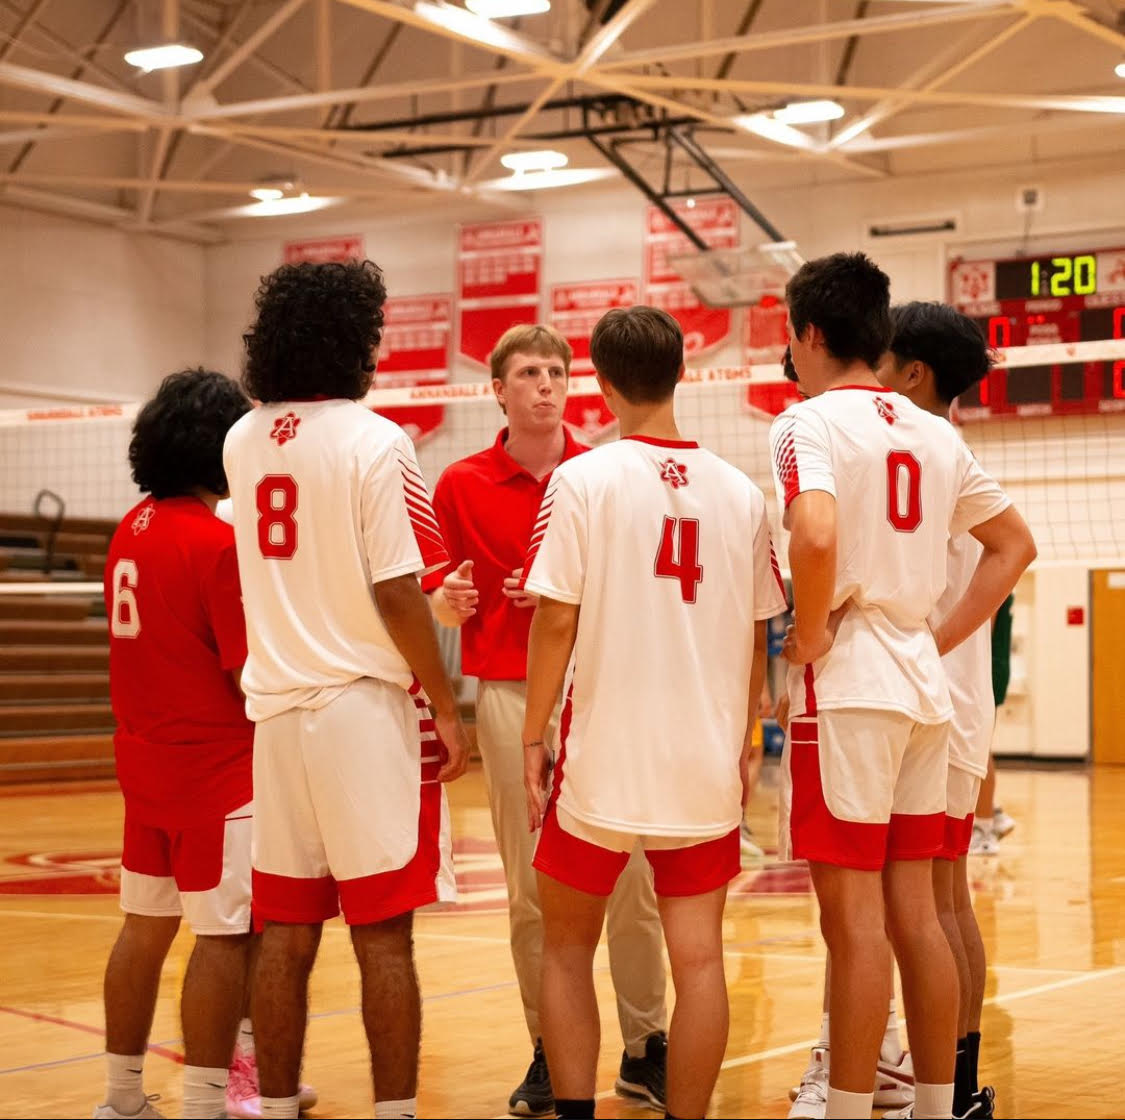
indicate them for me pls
(1034, 301)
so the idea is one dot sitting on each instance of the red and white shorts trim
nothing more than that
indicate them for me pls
(863, 787)
(201, 873)
(591, 859)
(349, 809)
(961, 794)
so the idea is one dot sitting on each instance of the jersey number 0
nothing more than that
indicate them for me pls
(276, 496)
(678, 555)
(904, 491)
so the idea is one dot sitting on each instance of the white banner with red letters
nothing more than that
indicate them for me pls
(322, 250)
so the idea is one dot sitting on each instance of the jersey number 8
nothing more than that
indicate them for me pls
(276, 496)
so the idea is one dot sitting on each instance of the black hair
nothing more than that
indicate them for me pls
(177, 443)
(316, 328)
(787, 366)
(951, 344)
(639, 351)
(848, 297)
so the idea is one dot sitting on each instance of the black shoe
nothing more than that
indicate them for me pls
(982, 1106)
(643, 1078)
(534, 1096)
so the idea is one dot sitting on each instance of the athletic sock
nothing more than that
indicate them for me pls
(245, 1041)
(279, 1108)
(396, 1110)
(124, 1082)
(891, 1048)
(824, 1036)
(973, 1041)
(847, 1105)
(574, 1109)
(205, 1092)
(933, 1102)
(962, 1088)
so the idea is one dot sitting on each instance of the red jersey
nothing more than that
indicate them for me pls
(486, 506)
(183, 744)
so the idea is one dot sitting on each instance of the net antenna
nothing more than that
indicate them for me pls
(739, 277)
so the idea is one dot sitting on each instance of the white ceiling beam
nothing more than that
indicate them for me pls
(392, 138)
(324, 44)
(414, 88)
(226, 38)
(1077, 16)
(178, 186)
(247, 48)
(170, 82)
(887, 108)
(75, 120)
(456, 23)
(45, 134)
(39, 81)
(68, 49)
(816, 33)
(586, 59)
(27, 18)
(1068, 103)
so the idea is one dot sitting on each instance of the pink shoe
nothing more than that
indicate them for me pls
(244, 1099)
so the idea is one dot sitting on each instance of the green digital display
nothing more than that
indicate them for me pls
(1047, 277)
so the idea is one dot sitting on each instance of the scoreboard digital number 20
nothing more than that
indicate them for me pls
(1025, 301)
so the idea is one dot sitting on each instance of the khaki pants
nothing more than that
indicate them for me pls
(636, 957)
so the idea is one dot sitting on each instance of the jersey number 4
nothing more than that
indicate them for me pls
(678, 555)
(904, 491)
(276, 496)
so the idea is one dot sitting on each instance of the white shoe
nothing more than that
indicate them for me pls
(894, 1081)
(984, 841)
(810, 1098)
(1002, 824)
(900, 1113)
(147, 1112)
(747, 845)
(244, 1097)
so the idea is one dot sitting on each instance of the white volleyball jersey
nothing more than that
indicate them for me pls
(904, 482)
(667, 549)
(328, 499)
(968, 668)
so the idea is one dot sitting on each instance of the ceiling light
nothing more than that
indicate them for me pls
(505, 9)
(463, 22)
(267, 194)
(1119, 69)
(297, 204)
(765, 126)
(545, 160)
(163, 57)
(809, 112)
(540, 180)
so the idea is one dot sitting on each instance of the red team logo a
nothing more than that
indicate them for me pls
(143, 520)
(675, 474)
(886, 409)
(285, 428)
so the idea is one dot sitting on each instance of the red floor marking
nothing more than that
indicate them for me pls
(159, 1051)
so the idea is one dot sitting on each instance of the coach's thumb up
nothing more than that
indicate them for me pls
(465, 570)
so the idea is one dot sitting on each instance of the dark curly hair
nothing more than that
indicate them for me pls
(177, 443)
(848, 297)
(951, 344)
(316, 329)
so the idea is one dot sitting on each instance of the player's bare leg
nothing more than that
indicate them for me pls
(944, 871)
(280, 1005)
(971, 939)
(568, 1005)
(852, 922)
(697, 1034)
(392, 1004)
(132, 979)
(929, 976)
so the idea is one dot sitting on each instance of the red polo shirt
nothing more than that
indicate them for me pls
(486, 506)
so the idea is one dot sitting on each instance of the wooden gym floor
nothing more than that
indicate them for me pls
(1052, 908)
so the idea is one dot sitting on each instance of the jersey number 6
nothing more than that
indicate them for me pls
(904, 491)
(277, 528)
(125, 622)
(679, 559)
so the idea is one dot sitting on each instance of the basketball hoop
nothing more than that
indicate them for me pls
(739, 277)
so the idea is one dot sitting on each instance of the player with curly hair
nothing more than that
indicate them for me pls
(183, 745)
(334, 526)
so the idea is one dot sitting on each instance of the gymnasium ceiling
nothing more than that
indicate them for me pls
(334, 96)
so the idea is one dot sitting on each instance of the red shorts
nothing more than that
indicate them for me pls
(678, 872)
(861, 788)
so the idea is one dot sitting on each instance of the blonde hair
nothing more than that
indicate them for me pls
(529, 338)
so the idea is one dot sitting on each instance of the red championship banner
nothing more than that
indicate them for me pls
(575, 309)
(414, 352)
(764, 340)
(716, 220)
(322, 250)
(499, 265)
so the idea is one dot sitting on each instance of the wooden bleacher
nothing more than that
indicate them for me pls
(55, 717)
